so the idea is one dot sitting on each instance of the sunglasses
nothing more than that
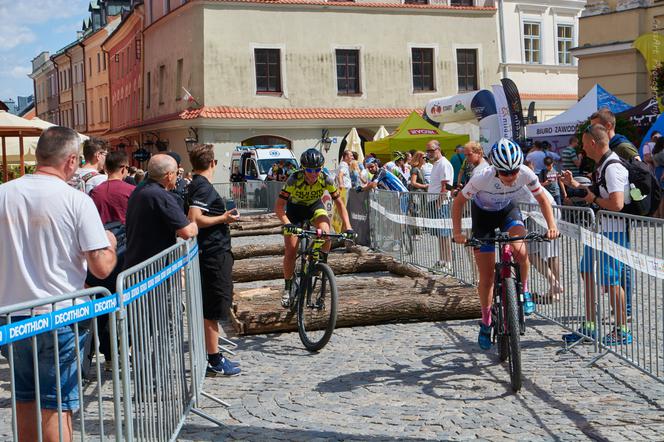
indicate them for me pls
(510, 173)
(431, 150)
(309, 170)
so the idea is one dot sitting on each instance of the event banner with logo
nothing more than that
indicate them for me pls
(358, 212)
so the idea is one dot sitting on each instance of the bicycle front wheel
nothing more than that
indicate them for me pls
(514, 333)
(317, 308)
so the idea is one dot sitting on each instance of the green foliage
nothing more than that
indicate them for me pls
(623, 127)
(14, 171)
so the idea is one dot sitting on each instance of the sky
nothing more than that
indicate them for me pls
(28, 27)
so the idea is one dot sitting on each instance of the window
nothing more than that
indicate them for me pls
(178, 80)
(422, 69)
(148, 91)
(92, 113)
(565, 42)
(348, 71)
(167, 6)
(98, 62)
(106, 108)
(101, 110)
(89, 66)
(162, 79)
(268, 70)
(467, 69)
(531, 42)
(103, 56)
(461, 3)
(416, 2)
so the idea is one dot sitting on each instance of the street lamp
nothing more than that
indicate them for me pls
(192, 140)
(325, 140)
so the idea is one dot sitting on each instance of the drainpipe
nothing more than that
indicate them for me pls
(85, 86)
(501, 24)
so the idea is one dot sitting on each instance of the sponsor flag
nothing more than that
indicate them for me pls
(188, 97)
(514, 105)
(504, 117)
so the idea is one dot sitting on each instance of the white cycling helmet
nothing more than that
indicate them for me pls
(506, 155)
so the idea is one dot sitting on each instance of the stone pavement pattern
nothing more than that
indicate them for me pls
(426, 381)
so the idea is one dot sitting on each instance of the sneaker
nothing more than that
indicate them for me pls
(584, 331)
(484, 338)
(285, 299)
(528, 304)
(108, 366)
(224, 368)
(618, 337)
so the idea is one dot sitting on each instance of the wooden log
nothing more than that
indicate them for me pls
(257, 218)
(272, 231)
(362, 301)
(267, 224)
(261, 269)
(254, 251)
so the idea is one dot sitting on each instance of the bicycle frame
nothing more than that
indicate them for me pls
(506, 267)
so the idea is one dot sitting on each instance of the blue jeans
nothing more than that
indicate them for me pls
(24, 370)
(610, 268)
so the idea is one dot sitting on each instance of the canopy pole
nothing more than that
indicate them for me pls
(5, 173)
(20, 144)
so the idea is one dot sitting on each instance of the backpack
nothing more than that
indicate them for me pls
(78, 181)
(644, 180)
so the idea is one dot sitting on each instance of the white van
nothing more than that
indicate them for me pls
(255, 162)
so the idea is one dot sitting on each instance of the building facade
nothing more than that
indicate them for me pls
(76, 57)
(322, 67)
(125, 48)
(605, 52)
(538, 37)
(44, 77)
(63, 68)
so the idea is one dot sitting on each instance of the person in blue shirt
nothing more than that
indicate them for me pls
(457, 161)
(382, 179)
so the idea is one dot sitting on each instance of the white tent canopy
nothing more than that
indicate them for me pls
(568, 122)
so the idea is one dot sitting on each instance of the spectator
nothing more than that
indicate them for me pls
(154, 215)
(442, 176)
(426, 169)
(538, 153)
(658, 161)
(343, 173)
(474, 162)
(613, 197)
(417, 183)
(130, 176)
(405, 167)
(457, 161)
(236, 176)
(111, 196)
(140, 175)
(180, 189)
(355, 172)
(208, 210)
(569, 156)
(49, 232)
(550, 180)
(648, 148)
(89, 175)
(619, 143)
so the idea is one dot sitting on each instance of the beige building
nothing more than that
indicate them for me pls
(62, 62)
(271, 72)
(76, 56)
(605, 52)
(44, 78)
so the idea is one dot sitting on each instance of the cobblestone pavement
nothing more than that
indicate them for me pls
(426, 381)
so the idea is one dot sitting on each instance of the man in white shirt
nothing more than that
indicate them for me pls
(50, 233)
(90, 175)
(613, 196)
(442, 177)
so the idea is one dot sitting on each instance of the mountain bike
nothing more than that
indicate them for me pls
(507, 318)
(313, 292)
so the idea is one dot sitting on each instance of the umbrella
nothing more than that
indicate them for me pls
(13, 126)
(382, 133)
(354, 144)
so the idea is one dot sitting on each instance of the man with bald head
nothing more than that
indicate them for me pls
(154, 216)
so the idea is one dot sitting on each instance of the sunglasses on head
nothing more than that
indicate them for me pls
(510, 173)
(310, 170)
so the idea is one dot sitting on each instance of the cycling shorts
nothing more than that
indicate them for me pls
(299, 214)
(485, 222)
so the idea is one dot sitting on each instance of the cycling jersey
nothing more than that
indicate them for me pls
(298, 191)
(389, 181)
(489, 193)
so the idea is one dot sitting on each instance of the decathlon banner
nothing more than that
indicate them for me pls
(503, 111)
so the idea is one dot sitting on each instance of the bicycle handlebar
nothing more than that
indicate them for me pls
(505, 238)
(298, 231)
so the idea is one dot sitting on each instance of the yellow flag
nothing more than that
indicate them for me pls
(651, 46)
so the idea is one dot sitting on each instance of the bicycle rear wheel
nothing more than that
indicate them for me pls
(317, 308)
(514, 333)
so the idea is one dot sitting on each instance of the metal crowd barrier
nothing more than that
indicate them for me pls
(251, 195)
(156, 329)
(409, 226)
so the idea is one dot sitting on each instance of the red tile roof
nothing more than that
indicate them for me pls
(351, 3)
(263, 113)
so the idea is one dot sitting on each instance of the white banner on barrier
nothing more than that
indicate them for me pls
(433, 223)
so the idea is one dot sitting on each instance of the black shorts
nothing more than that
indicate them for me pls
(298, 214)
(217, 284)
(485, 222)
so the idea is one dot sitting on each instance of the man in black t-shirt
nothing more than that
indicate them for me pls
(208, 210)
(154, 216)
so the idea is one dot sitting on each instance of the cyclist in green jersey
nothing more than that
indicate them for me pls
(300, 201)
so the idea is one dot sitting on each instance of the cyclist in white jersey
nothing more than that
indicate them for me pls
(492, 191)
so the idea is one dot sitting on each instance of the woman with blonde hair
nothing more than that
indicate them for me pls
(355, 174)
(417, 183)
(473, 162)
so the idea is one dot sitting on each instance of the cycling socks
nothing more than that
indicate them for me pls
(486, 316)
(214, 359)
